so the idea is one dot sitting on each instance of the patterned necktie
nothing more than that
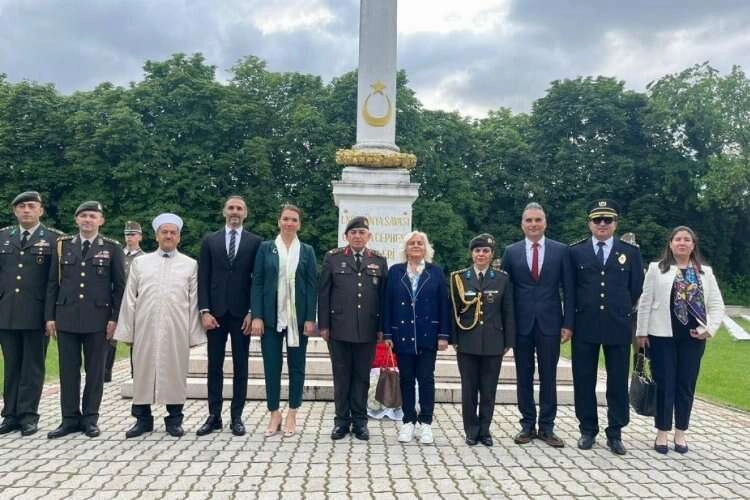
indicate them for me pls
(535, 261)
(232, 244)
(86, 245)
(600, 253)
(25, 239)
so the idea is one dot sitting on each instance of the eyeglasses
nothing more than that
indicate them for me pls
(605, 220)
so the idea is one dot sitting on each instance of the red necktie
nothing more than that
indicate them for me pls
(535, 261)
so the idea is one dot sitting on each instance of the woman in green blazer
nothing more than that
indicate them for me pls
(282, 300)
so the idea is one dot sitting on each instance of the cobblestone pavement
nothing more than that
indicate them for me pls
(310, 465)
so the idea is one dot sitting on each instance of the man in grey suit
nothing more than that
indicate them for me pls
(352, 287)
(539, 269)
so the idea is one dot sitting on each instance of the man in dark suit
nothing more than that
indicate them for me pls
(608, 283)
(225, 269)
(83, 301)
(26, 252)
(350, 299)
(539, 269)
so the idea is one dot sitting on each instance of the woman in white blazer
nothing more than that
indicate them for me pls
(680, 307)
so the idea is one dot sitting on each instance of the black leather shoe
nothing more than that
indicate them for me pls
(175, 430)
(470, 441)
(212, 423)
(29, 429)
(586, 441)
(551, 439)
(139, 429)
(680, 448)
(360, 432)
(525, 436)
(238, 428)
(486, 440)
(7, 427)
(661, 448)
(91, 430)
(339, 432)
(63, 430)
(616, 446)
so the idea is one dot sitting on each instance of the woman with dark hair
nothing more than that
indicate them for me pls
(680, 307)
(283, 300)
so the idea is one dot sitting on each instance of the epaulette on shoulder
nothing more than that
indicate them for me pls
(500, 270)
(583, 240)
(460, 271)
(336, 251)
(5, 228)
(66, 237)
(375, 252)
(53, 230)
(111, 240)
(630, 244)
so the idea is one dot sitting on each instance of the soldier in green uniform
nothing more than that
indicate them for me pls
(483, 331)
(83, 301)
(26, 252)
(350, 299)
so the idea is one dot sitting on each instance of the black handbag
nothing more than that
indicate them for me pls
(642, 387)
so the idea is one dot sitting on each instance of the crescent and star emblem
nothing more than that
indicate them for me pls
(377, 121)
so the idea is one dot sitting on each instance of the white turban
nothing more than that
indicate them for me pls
(167, 218)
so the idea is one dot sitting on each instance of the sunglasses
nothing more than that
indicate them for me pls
(605, 220)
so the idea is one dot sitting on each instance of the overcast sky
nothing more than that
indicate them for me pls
(465, 55)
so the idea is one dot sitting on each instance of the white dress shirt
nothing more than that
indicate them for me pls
(228, 236)
(530, 252)
(608, 244)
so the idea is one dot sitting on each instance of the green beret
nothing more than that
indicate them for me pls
(27, 196)
(604, 208)
(89, 206)
(356, 223)
(482, 240)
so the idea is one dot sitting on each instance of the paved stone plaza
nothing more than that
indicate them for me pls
(310, 465)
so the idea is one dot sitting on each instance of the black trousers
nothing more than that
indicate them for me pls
(217, 340)
(111, 352)
(143, 413)
(479, 375)
(24, 353)
(585, 367)
(675, 363)
(547, 349)
(419, 368)
(351, 362)
(69, 346)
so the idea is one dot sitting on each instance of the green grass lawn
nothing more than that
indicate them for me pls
(725, 369)
(52, 371)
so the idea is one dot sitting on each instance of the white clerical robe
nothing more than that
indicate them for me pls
(159, 316)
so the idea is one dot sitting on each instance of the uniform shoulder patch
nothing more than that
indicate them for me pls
(581, 241)
(111, 240)
(336, 251)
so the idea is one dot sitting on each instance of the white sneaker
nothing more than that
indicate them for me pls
(406, 433)
(425, 437)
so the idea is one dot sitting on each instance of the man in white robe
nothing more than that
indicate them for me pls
(159, 317)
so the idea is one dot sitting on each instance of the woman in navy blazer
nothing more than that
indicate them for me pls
(417, 323)
(283, 299)
(680, 308)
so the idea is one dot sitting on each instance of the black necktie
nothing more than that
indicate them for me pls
(232, 244)
(481, 277)
(24, 239)
(165, 255)
(358, 261)
(86, 245)
(600, 253)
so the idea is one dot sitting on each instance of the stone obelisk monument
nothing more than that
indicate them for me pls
(375, 181)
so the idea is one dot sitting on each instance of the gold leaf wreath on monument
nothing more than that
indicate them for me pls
(357, 158)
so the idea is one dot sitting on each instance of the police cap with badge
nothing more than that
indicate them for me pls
(603, 209)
